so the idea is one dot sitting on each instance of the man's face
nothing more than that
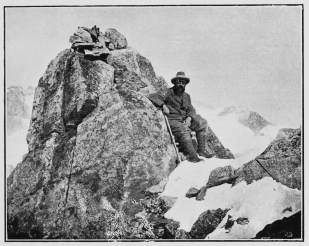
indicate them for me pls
(180, 85)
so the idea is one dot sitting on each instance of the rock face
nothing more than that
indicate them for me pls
(281, 160)
(214, 143)
(287, 228)
(155, 206)
(248, 118)
(218, 176)
(95, 143)
(207, 222)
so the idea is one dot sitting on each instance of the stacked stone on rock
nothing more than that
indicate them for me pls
(94, 43)
(95, 143)
(116, 38)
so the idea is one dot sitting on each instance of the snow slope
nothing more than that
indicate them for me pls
(262, 202)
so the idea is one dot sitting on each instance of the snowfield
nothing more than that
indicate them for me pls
(262, 202)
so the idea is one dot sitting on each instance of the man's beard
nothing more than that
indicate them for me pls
(179, 89)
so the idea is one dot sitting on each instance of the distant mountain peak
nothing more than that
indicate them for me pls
(248, 118)
(20, 90)
(18, 107)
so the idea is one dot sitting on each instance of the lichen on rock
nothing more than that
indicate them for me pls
(281, 160)
(95, 143)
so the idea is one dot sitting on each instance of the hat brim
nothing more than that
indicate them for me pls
(182, 77)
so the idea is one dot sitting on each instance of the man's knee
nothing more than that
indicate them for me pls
(199, 124)
(182, 132)
(179, 129)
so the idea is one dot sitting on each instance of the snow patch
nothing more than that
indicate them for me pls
(262, 202)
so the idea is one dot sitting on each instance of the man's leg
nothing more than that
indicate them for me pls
(199, 125)
(183, 136)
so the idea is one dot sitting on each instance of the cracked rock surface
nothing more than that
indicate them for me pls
(95, 143)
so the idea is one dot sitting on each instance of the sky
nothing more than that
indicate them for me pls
(250, 57)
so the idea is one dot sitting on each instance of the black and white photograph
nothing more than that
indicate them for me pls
(179, 122)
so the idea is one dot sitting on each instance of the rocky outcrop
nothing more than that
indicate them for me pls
(154, 209)
(95, 143)
(250, 205)
(95, 44)
(218, 176)
(99, 151)
(248, 118)
(287, 228)
(281, 160)
(215, 145)
(286, 133)
(207, 222)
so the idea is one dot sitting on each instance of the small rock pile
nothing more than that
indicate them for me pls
(155, 207)
(94, 43)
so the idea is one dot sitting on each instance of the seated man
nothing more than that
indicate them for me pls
(176, 104)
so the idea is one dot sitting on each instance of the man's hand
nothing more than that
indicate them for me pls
(188, 121)
(165, 109)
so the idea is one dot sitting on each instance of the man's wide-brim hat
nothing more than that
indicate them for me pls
(180, 75)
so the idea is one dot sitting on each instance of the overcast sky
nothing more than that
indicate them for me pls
(245, 56)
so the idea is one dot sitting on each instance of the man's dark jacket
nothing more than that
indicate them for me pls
(180, 106)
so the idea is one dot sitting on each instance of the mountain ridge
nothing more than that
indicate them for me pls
(248, 118)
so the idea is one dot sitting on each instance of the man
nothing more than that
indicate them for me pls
(176, 104)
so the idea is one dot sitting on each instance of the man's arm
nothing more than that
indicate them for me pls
(191, 111)
(158, 99)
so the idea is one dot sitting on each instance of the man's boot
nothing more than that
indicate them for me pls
(187, 146)
(202, 150)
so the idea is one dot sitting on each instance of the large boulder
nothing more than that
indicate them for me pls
(117, 39)
(218, 176)
(95, 144)
(281, 160)
(287, 228)
(207, 222)
(81, 35)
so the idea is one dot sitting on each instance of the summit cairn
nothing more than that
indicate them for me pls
(94, 43)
